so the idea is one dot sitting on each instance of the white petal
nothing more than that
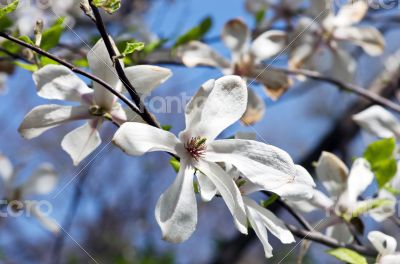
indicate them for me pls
(343, 66)
(176, 209)
(246, 135)
(340, 232)
(44, 117)
(236, 36)
(196, 53)
(145, 78)
(255, 109)
(118, 114)
(275, 83)
(82, 141)
(368, 38)
(318, 201)
(103, 67)
(42, 181)
(390, 259)
(47, 222)
(319, 8)
(269, 167)
(207, 188)
(196, 104)
(224, 106)
(260, 230)
(332, 172)
(6, 169)
(350, 14)
(383, 212)
(136, 139)
(383, 243)
(272, 223)
(268, 44)
(228, 190)
(360, 178)
(379, 122)
(60, 83)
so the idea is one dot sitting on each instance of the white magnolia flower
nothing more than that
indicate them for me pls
(216, 106)
(344, 187)
(386, 247)
(379, 122)
(317, 42)
(246, 56)
(96, 105)
(41, 182)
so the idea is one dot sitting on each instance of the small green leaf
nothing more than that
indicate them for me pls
(131, 47)
(195, 33)
(5, 22)
(110, 6)
(270, 200)
(51, 36)
(149, 48)
(27, 66)
(166, 127)
(380, 155)
(8, 8)
(81, 63)
(259, 16)
(45, 61)
(392, 190)
(175, 164)
(347, 255)
(369, 205)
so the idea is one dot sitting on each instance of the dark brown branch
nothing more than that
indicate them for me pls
(120, 70)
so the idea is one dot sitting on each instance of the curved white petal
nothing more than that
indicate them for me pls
(44, 117)
(340, 232)
(390, 259)
(332, 172)
(378, 121)
(136, 139)
(42, 181)
(269, 167)
(6, 169)
(46, 221)
(228, 190)
(271, 222)
(103, 67)
(257, 224)
(255, 109)
(119, 115)
(196, 53)
(176, 209)
(60, 83)
(383, 243)
(82, 141)
(268, 44)
(360, 177)
(368, 38)
(343, 66)
(318, 201)
(207, 189)
(236, 36)
(350, 14)
(145, 78)
(225, 105)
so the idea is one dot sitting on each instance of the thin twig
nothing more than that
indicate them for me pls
(119, 68)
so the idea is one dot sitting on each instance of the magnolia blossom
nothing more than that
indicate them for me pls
(386, 247)
(41, 182)
(344, 187)
(96, 105)
(246, 57)
(317, 40)
(216, 106)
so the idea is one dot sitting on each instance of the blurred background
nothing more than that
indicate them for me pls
(113, 216)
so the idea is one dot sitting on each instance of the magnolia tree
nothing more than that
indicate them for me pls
(327, 205)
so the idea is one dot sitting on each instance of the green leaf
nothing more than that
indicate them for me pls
(110, 6)
(131, 47)
(45, 61)
(51, 36)
(270, 200)
(27, 66)
(175, 164)
(5, 22)
(347, 255)
(392, 190)
(8, 8)
(369, 205)
(149, 48)
(195, 33)
(166, 127)
(81, 63)
(259, 16)
(380, 155)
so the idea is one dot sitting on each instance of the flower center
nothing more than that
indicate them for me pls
(196, 147)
